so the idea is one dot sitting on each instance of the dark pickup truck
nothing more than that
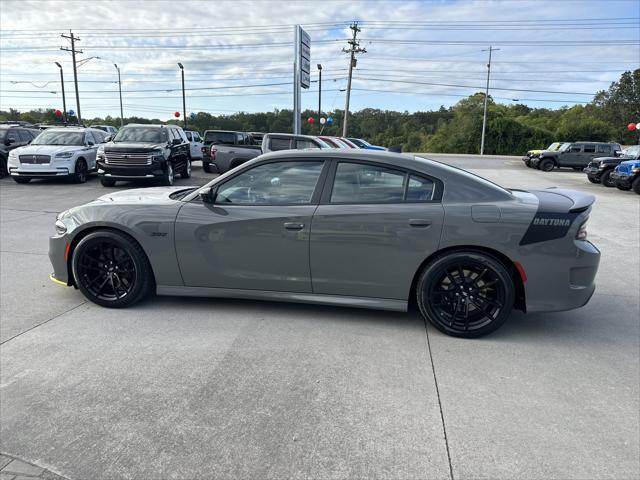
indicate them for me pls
(600, 169)
(226, 149)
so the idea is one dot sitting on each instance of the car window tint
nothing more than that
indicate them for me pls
(575, 148)
(280, 144)
(278, 183)
(25, 136)
(419, 189)
(360, 183)
(89, 138)
(589, 149)
(13, 135)
(188, 134)
(603, 148)
(239, 139)
(302, 144)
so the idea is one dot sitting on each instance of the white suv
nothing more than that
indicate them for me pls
(57, 152)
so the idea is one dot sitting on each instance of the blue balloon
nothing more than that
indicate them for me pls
(192, 115)
(329, 120)
(71, 112)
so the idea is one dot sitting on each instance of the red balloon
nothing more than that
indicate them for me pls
(57, 113)
(631, 127)
(311, 119)
(177, 114)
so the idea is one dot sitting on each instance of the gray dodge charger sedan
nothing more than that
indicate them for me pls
(353, 228)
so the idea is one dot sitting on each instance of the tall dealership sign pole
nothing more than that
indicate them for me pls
(301, 72)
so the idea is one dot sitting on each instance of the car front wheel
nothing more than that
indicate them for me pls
(606, 179)
(21, 179)
(635, 186)
(592, 179)
(186, 171)
(546, 165)
(465, 294)
(107, 182)
(111, 269)
(80, 171)
(167, 178)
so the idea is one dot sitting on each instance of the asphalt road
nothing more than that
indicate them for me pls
(203, 388)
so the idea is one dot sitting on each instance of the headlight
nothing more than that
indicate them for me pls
(13, 154)
(635, 170)
(158, 154)
(61, 228)
(64, 155)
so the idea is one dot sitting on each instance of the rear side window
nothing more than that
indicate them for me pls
(603, 149)
(280, 144)
(302, 144)
(419, 189)
(361, 183)
(589, 149)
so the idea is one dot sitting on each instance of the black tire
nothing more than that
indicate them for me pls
(546, 165)
(606, 180)
(578, 169)
(80, 172)
(21, 179)
(475, 282)
(528, 163)
(186, 170)
(3, 166)
(206, 166)
(107, 182)
(111, 269)
(592, 179)
(622, 187)
(635, 185)
(167, 177)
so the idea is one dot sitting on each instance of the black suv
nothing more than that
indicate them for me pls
(576, 155)
(145, 151)
(13, 136)
(600, 169)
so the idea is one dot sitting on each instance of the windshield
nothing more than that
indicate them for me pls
(554, 146)
(632, 151)
(141, 135)
(53, 137)
(564, 147)
(220, 138)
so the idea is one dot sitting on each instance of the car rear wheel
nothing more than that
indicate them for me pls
(546, 165)
(206, 166)
(606, 179)
(80, 171)
(107, 182)
(186, 171)
(21, 179)
(635, 186)
(465, 294)
(167, 178)
(111, 269)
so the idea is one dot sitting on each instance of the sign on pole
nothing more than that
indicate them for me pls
(301, 72)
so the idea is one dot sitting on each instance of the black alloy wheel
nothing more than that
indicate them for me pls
(167, 177)
(186, 171)
(111, 269)
(81, 171)
(606, 179)
(546, 165)
(466, 294)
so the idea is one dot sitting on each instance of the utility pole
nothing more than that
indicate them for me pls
(64, 101)
(120, 90)
(319, 93)
(354, 47)
(184, 104)
(75, 69)
(486, 97)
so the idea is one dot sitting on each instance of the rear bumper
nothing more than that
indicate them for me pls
(558, 283)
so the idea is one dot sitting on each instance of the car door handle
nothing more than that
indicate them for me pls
(293, 226)
(419, 222)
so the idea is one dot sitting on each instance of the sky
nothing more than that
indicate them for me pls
(238, 55)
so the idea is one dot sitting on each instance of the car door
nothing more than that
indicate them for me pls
(571, 156)
(374, 226)
(256, 234)
(196, 145)
(89, 152)
(588, 152)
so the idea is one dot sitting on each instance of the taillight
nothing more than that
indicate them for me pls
(582, 232)
(214, 150)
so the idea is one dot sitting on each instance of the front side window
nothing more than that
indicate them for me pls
(141, 135)
(89, 139)
(277, 183)
(302, 144)
(53, 137)
(589, 149)
(361, 183)
(188, 134)
(280, 144)
(13, 135)
(575, 148)
(25, 136)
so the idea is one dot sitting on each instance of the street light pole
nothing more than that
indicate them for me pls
(120, 90)
(319, 93)
(184, 103)
(486, 96)
(64, 101)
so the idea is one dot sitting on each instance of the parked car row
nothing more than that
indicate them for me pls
(622, 171)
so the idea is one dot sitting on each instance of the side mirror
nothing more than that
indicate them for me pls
(209, 195)
(108, 138)
(176, 141)
(90, 144)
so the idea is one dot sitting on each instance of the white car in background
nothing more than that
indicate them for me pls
(196, 144)
(57, 152)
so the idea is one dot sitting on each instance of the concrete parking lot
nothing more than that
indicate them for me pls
(210, 388)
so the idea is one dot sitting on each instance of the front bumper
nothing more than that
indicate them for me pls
(58, 252)
(563, 281)
(39, 173)
(121, 172)
(622, 179)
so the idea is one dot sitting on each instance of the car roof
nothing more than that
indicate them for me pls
(150, 125)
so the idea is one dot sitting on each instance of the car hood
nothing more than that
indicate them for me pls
(534, 152)
(47, 149)
(142, 196)
(133, 146)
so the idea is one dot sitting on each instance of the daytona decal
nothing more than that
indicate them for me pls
(548, 226)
